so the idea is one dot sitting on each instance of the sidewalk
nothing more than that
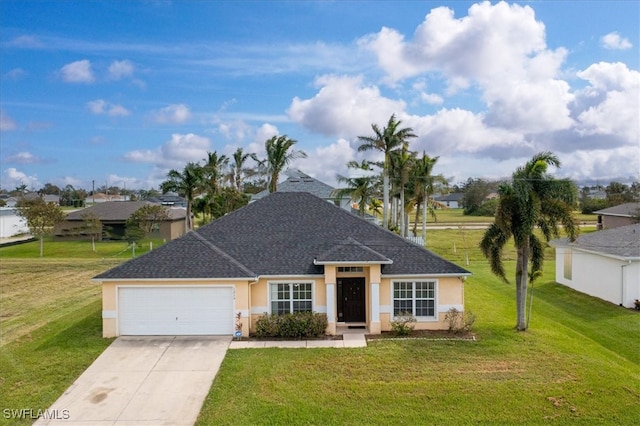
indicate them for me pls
(348, 341)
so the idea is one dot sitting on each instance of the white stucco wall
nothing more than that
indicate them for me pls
(11, 224)
(614, 280)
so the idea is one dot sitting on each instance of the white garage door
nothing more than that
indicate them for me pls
(175, 310)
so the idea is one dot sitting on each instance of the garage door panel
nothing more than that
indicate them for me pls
(175, 310)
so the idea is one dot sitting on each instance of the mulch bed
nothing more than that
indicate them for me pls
(424, 335)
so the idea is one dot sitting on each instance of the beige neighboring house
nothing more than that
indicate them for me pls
(621, 215)
(113, 216)
(287, 252)
(604, 264)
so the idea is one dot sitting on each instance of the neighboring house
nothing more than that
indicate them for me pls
(11, 223)
(168, 199)
(621, 215)
(604, 264)
(284, 253)
(100, 197)
(113, 216)
(453, 200)
(298, 181)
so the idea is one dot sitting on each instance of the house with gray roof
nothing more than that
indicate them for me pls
(286, 252)
(620, 215)
(113, 216)
(604, 264)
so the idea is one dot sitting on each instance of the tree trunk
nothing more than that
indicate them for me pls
(522, 278)
(424, 218)
(385, 199)
(403, 229)
(415, 222)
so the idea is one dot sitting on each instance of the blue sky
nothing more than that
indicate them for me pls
(121, 92)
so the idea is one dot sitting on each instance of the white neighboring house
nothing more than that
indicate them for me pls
(604, 264)
(11, 223)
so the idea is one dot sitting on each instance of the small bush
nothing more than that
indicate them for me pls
(459, 321)
(297, 325)
(403, 324)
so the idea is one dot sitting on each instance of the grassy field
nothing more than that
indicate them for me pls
(578, 364)
(79, 249)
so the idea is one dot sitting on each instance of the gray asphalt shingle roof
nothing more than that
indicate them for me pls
(298, 181)
(623, 241)
(626, 210)
(119, 211)
(282, 234)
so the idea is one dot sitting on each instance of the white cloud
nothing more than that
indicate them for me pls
(343, 107)
(15, 74)
(614, 108)
(120, 69)
(614, 41)
(500, 48)
(100, 106)
(23, 157)
(172, 114)
(26, 42)
(173, 154)
(325, 162)
(6, 123)
(78, 72)
(13, 178)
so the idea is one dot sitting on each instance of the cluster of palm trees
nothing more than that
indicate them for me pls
(217, 186)
(408, 181)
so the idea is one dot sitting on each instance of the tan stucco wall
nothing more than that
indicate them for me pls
(109, 300)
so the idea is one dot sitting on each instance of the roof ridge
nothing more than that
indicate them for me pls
(224, 254)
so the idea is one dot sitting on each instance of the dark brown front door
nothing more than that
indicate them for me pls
(351, 300)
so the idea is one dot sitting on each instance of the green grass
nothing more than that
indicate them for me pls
(451, 216)
(78, 249)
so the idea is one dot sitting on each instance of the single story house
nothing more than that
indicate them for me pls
(620, 215)
(288, 252)
(113, 216)
(453, 200)
(604, 264)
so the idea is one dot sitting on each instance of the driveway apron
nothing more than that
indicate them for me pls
(158, 380)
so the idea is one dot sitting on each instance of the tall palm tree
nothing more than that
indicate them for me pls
(187, 184)
(423, 184)
(533, 199)
(401, 165)
(387, 140)
(280, 154)
(238, 169)
(214, 171)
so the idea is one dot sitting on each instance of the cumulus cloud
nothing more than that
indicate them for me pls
(13, 178)
(15, 74)
(343, 107)
(100, 106)
(500, 48)
(613, 41)
(173, 154)
(78, 72)
(172, 114)
(121, 69)
(6, 123)
(614, 93)
(23, 157)
(325, 162)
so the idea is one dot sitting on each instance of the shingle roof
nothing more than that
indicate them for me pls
(282, 234)
(119, 211)
(626, 210)
(623, 241)
(298, 181)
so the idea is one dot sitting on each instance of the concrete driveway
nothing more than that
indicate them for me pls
(143, 381)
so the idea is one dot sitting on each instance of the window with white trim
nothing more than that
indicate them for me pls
(291, 297)
(417, 298)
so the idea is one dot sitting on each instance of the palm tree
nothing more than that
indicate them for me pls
(402, 164)
(214, 171)
(387, 140)
(532, 199)
(187, 184)
(237, 168)
(360, 189)
(423, 183)
(279, 155)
